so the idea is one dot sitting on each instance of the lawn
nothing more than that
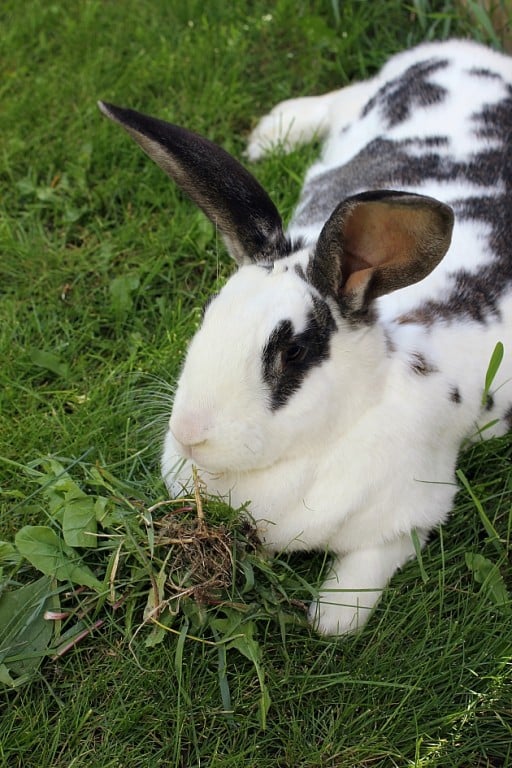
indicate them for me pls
(104, 268)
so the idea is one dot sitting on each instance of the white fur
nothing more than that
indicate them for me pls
(364, 453)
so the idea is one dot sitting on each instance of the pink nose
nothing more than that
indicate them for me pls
(190, 429)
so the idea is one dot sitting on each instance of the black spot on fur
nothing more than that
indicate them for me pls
(455, 395)
(299, 270)
(507, 417)
(476, 295)
(288, 356)
(382, 164)
(493, 122)
(412, 89)
(473, 296)
(482, 72)
(421, 366)
(390, 344)
(489, 402)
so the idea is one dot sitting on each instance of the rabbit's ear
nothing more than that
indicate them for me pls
(227, 193)
(377, 242)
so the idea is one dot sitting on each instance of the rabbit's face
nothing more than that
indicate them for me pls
(241, 400)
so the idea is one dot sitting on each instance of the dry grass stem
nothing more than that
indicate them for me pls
(197, 495)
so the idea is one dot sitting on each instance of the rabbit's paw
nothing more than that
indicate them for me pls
(290, 123)
(340, 613)
(355, 585)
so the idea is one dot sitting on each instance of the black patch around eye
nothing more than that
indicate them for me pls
(289, 356)
(295, 354)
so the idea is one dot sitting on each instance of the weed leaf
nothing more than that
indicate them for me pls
(79, 524)
(155, 599)
(488, 575)
(9, 553)
(241, 634)
(121, 294)
(24, 632)
(75, 510)
(50, 362)
(492, 369)
(42, 547)
(490, 529)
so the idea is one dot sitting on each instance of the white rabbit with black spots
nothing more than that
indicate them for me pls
(340, 368)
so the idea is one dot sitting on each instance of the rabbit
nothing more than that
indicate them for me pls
(339, 370)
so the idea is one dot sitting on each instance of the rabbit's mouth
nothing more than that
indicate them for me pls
(218, 443)
(216, 462)
(193, 452)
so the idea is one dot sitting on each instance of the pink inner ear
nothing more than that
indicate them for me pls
(381, 241)
(379, 233)
(357, 281)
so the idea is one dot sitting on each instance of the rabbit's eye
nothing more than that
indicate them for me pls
(296, 353)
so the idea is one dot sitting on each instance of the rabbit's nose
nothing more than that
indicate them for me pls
(190, 429)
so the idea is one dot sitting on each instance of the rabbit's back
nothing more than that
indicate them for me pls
(438, 122)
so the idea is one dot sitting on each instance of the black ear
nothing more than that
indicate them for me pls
(227, 193)
(377, 242)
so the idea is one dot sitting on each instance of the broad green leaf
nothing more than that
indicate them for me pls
(57, 480)
(45, 551)
(488, 575)
(160, 630)
(53, 468)
(121, 290)
(5, 678)
(24, 633)
(101, 510)
(50, 362)
(239, 634)
(245, 642)
(79, 524)
(57, 487)
(8, 553)
(73, 508)
(248, 572)
(72, 213)
(250, 648)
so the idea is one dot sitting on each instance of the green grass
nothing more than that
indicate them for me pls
(103, 269)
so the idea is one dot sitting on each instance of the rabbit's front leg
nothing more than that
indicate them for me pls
(355, 584)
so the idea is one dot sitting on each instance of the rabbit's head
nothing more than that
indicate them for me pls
(284, 352)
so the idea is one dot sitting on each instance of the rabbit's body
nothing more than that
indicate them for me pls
(327, 386)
